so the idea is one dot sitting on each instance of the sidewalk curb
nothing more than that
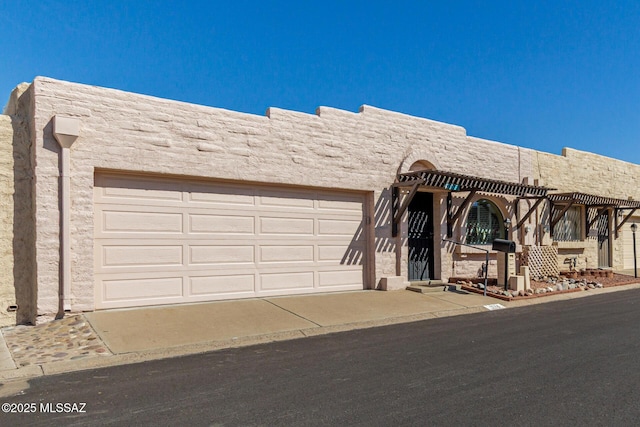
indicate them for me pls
(108, 360)
(25, 372)
(96, 362)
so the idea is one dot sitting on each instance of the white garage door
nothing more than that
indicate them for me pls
(627, 242)
(162, 241)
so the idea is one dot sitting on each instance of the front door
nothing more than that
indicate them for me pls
(421, 237)
(603, 240)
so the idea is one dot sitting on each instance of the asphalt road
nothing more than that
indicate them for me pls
(564, 363)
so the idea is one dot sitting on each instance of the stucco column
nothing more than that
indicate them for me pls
(66, 130)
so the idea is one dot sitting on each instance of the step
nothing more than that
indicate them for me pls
(432, 286)
(427, 283)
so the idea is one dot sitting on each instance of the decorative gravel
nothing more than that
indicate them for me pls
(552, 285)
(70, 338)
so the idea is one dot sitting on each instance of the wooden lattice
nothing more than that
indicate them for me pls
(542, 261)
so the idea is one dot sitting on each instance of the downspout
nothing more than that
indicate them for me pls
(65, 130)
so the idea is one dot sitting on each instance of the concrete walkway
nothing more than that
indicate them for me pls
(106, 338)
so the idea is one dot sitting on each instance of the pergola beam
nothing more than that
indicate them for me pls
(405, 202)
(593, 221)
(562, 212)
(398, 212)
(453, 217)
(529, 212)
(626, 218)
(459, 183)
(453, 182)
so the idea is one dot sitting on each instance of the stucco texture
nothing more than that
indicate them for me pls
(7, 291)
(589, 173)
(332, 149)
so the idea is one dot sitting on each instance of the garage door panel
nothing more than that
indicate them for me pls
(141, 222)
(286, 253)
(218, 241)
(148, 288)
(293, 199)
(222, 284)
(332, 253)
(339, 278)
(141, 256)
(221, 254)
(627, 243)
(114, 189)
(127, 195)
(334, 227)
(280, 281)
(348, 204)
(222, 196)
(287, 225)
(351, 258)
(221, 224)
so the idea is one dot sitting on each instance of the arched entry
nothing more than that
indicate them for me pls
(421, 237)
(421, 165)
(421, 231)
(604, 260)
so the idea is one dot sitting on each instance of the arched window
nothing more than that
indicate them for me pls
(484, 223)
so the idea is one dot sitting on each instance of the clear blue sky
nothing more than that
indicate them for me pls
(539, 74)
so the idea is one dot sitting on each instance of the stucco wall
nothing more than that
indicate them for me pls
(7, 293)
(579, 171)
(333, 149)
(23, 276)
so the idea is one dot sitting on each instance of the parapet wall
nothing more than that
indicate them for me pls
(21, 236)
(333, 149)
(583, 172)
(7, 292)
(580, 171)
(330, 149)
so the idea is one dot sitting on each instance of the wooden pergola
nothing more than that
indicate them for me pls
(599, 203)
(454, 182)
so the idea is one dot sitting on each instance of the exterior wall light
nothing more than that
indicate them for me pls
(634, 227)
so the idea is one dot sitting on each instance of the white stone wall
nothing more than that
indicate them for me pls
(7, 290)
(20, 109)
(466, 261)
(332, 149)
(579, 171)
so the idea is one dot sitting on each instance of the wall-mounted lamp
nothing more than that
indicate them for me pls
(507, 226)
(634, 227)
(527, 229)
